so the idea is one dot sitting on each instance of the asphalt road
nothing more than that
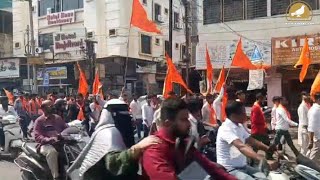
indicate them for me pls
(9, 171)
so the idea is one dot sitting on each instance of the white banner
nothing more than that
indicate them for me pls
(69, 41)
(222, 53)
(9, 68)
(255, 79)
(59, 18)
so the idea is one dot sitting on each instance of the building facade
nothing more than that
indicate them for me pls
(263, 25)
(62, 28)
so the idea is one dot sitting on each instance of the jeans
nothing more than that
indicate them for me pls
(247, 173)
(24, 123)
(287, 136)
(265, 140)
(146, 131)
(51, 155)
(139, 127)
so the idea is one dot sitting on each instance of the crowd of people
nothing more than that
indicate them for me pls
(115, 153)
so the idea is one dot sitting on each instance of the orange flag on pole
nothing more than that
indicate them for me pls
(173, 76)
(304, 60)
(209, 72)
(96, 84)
(83, 85)
(315, 88)
(9, 96)
(221, 80)
(140, 19)
(241, 60)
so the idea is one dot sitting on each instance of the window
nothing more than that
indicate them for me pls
(279, 7)
(233, 10)
(176, 20)
(313, 3)
(157, 12)
(182, 52)
(256, 9)
(72, 4)
(145, 2)
(58, 5)
(5, 22)
(45, 41)
(177, 46)
(157, 41)
(212, 11)
(112, 32)
(166, 47)
(166, 11)
(146, 44)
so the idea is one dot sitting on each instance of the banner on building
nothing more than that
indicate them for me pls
(69, 41)
(255, 79)
(287, 50)
(222, 53)
(150, 68)
(54, 72)
(46, 79)
(59, 18)
(9, 68)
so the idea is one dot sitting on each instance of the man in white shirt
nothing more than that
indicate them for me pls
(232, 148)
(209, 115)
(314, 129)
(147, 116)
(303, 139)
(276, 101)
(217, 105)
(283, 123)
(137, 114)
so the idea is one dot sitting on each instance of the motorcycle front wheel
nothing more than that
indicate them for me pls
(27, 176)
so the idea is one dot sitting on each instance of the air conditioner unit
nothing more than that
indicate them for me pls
(39, 50)
(49, 10)
(17, 45)
(90, 35)
(178, 25)
(161, 18)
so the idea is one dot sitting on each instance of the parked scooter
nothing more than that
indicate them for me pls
(34, 165)
(12, 136)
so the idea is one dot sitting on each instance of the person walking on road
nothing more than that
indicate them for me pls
(303, 139)
(313, 128)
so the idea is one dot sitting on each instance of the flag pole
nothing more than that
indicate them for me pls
(127, 58)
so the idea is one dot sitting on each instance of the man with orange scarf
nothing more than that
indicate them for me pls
(283, 123)
(209, 115)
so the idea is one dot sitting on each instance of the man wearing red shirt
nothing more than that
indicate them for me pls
(258, 123)
(164, 160)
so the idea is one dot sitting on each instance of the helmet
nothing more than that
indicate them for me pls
(60, 102)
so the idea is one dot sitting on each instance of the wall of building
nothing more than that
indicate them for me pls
(5, 45)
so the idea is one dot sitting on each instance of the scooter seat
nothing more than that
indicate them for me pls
(32, 150)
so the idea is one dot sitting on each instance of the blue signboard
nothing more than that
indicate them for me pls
(46, 78)
(256, 55)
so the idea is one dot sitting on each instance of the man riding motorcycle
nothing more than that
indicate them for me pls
(105, 156)
(46, 130)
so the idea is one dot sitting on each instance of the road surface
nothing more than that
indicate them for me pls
(9, 171)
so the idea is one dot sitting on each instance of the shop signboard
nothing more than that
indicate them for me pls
(222, 53)
(287, 50)
(9, 68)
(59, 18)
(46, 78)
(54, 72)
(255, 79)
(69, 41)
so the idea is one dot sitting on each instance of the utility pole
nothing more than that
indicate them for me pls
(170, 27)
(33, 49)
(187, 31)
(91, 56)
(27, 54)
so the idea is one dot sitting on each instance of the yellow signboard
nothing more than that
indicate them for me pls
(35, 60)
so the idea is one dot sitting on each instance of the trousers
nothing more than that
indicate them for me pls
(51, 155)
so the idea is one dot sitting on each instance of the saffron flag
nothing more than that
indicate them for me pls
(140, 19)
(83, 85)
(209, 72)
(223, 106)
(96, 84)
(315, 88)
(9, 96)
(173, 76)
(304, 60)
(241, 60)
(221, 80)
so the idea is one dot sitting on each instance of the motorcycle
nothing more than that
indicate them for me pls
(12, 136)
(33, 165)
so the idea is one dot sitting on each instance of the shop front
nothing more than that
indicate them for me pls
(285, 53)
